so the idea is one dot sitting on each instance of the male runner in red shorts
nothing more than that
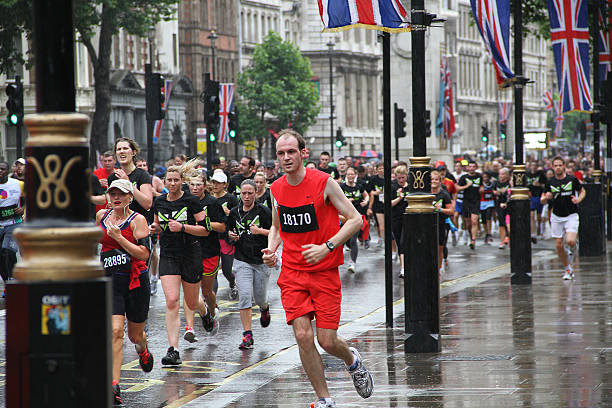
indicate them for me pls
(305, 217)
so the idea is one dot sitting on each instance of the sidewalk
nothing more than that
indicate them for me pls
(544, 345)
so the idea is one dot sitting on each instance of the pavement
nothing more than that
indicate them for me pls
(548, 344)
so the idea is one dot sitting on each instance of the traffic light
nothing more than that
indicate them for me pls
(211, 108)
(400, 122)
(427, 123)
(339, 138)
(233, 123)
(485, 133)
(502, 130)
(154, 93)
(14, 104)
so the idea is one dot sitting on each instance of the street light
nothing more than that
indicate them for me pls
(213, 37)
(331, 45)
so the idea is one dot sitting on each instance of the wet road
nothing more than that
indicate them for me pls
(492, 348)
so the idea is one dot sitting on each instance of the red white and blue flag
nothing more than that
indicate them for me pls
(493, 22)
(384, 15)
(504, 112)
(226, 104)
(158, 123)
(445, 122)
(605, 64)
(548, 102)
(558, 118)
(569, 30)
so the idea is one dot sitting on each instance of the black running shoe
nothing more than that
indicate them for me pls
(146, 360)
(117, 395)
(208, 322)
(172, 357)
(265, 317)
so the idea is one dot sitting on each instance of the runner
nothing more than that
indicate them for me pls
(324, 159)
(399, 195)
(211, 251)
(442, 205)
(11, 213)
(358, 196)
(536, 179)
(108, 167)
(375, 205)
(564, 192)
(501, 191)
(227, 202)
(262, 195)
(125, 248)
(248, 226)
(487, 205)
(470, 185)
(247, 171)
(180, 220)
(305, 218)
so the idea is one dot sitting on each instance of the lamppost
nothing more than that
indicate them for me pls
(150, 122)
(213, 37)
(331, 45)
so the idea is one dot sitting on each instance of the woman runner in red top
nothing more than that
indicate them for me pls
(125, 248)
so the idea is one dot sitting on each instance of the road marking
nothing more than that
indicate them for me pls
(472, 279)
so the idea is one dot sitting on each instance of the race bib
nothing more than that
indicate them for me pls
(116, 260)
(7, 212)
(298, 219)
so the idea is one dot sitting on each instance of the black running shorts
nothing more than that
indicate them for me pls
(133, 304)
(470, 208)
(186, 264)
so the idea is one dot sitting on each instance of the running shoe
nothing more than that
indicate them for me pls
(190, 335)
(351, 267)
(207, 322)
(153, 286)
(265, 318)
(172, 357)
(323, 404)
(534, 240)
(117, 395)
(569, 273)
(146, 360)
(366, 244)
(247, 342)
(472, 245)
(401, 275)
(502, 245)
(215, 320)
(506, 240)
(234, 292)
(362, 379)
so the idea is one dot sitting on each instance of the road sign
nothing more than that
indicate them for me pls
(201, 140)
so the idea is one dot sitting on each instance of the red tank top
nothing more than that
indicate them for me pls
(305, 218)
(109, 243)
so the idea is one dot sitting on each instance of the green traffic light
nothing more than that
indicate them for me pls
(212, 137)
(232, 133)
(12, 119)
(338, 143)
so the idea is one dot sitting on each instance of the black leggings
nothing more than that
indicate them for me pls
(227, 261)
(353, 245)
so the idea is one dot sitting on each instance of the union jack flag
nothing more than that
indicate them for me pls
(504, 112)
(493, 22)
(226, 105)
(605, 64)
(558, 118)
(548, 102)
(384, 15)
(445, 123)
(158, 123)
(570, 39)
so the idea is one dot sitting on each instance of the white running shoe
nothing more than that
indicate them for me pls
(362, 379)
(569, 273)
(351, 267)
(215, 319)
(190, 335)
(322, 404)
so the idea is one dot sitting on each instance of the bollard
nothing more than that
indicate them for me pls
(58, 307)
(591, 231)
(520, 229)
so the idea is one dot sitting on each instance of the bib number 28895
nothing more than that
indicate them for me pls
(298, 219)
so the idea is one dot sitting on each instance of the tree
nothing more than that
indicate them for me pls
(278, 83)
(103, 18)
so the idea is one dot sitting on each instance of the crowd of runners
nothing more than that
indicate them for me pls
(245, 218)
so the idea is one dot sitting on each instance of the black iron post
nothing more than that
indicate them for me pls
(149, 119)
(520, 242)
(211, 144)
(59, 296)
(420, 246)
(591, 211)
(331, 45)
(609, 179)
(386, 41)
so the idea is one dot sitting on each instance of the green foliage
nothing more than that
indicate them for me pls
(277, 83)
(535, 17)
(15, 18)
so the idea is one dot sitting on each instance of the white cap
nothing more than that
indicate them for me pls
(219, 177)
(123, 185)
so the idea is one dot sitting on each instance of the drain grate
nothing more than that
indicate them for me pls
(485, 357)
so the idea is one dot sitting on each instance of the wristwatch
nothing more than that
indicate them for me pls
(330, 245)
(183, 228)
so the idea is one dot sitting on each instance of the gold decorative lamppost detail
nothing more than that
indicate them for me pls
(419, 182)
(520, 226)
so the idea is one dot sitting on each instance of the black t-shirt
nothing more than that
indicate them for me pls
(181, 210)
(330, 170)
(235, 181)
(562, 191)
(228, 201)
(536, 178)
(398, 209)
(137, 177)
(472, 193)
(249, 246)
(265, 199)
(354, 195)
(502, 189)
(376, 184)
(210, 243)
(443, 198)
